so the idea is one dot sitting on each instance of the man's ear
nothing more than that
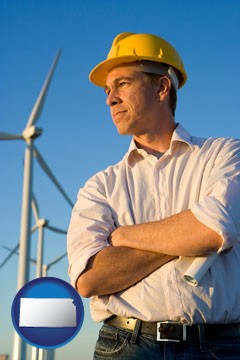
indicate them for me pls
(164, 86)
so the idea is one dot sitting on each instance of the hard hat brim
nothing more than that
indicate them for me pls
(99, 73)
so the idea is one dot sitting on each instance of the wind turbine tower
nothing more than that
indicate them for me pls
(29, 134)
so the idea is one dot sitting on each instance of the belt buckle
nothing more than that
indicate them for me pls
(183, 334)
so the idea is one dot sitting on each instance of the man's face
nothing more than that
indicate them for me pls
(133, 101)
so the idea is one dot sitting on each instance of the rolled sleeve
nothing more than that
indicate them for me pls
(90, 226)
(215, 216)
(219, 206)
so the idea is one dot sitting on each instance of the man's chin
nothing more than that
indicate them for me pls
(124, 132)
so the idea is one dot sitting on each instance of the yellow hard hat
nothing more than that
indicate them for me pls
(129, 47)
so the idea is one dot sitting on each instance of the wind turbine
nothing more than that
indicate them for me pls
(40, 225)
(41, 269)
(29, 134)
(41, 354)
(45, 267)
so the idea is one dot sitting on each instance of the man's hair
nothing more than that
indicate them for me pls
(172, 95)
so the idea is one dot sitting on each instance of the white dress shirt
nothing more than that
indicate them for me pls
(195, 173)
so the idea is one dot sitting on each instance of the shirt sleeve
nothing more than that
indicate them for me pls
(90, 226)
(219, 206)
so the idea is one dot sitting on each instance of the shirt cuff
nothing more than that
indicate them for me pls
(214, 215)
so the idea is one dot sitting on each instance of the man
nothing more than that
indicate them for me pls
(138, 225)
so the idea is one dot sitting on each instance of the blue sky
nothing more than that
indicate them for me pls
(78, 137)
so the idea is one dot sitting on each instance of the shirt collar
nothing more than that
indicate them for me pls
(180, 135)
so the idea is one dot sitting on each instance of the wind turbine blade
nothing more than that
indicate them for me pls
(7, 136)
(34, 228)
(16, 252)
(47, 170)
(56, 260)
(55, 229)
(9, 249)
(37, 109)
(35, 208)
(13, 251)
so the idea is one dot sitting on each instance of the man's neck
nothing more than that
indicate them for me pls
(155, 143)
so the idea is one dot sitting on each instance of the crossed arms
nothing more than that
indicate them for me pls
(138, 250)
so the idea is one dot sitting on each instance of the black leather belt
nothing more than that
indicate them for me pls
(171, 331)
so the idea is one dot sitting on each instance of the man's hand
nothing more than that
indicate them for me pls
(117, 236)
(138, 250)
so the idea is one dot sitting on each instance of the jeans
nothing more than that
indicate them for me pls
(118, 344)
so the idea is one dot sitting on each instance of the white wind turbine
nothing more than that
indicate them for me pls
(29, 134)
(40, 224)
(45, 267)
(41, 269)
(40, 354)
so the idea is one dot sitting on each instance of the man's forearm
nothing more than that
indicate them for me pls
(116, 268)
(180, 235)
